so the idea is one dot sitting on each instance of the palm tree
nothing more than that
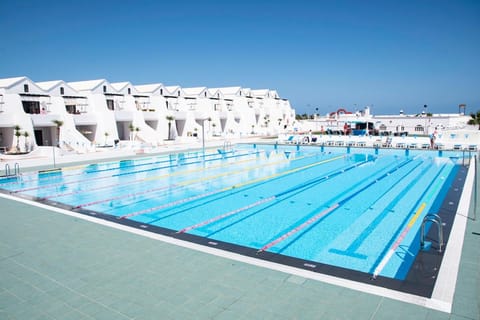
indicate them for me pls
(26, 134)
(18, 134)
(58, 123)
(131, 127)
(170, 119)
(106, 136)
(475, 119)
(137, 129)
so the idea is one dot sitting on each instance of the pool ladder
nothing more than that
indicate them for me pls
(227, 145)
(435, 218)
(16, 170)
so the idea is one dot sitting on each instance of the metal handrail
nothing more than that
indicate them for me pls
(438, 221)
(7, 170)
(16, 169)
(475, 182)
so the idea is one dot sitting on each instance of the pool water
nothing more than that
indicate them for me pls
(360, 210)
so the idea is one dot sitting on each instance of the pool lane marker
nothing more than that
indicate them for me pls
(275, 175)
(196, 197)
(271, 198)
(328, 210)
(48, 171)
(407, 228)
(145, 179)
(52, 185)
(351, 250)
(88, 204)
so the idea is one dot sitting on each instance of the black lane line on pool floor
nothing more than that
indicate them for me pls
(420, 280)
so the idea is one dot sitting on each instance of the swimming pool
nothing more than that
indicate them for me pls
(338, 210)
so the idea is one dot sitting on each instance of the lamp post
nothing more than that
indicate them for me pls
(425, 114)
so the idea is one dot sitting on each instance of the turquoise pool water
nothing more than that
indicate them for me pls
(330, 206)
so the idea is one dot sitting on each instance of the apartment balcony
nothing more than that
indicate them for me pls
(84, 119)
(199, 116)
(123, 115)
(223, 114)
(7, 120)
(180, 115)
(151, 115)
(45, 120)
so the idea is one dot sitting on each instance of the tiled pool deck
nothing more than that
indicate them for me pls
(54, 266)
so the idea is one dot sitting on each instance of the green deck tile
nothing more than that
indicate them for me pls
(391, 309)
(88, 270)
(466, 307)
(9, 301)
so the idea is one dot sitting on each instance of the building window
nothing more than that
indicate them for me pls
(129, 91)
(104, 89)
(161, 92)
(205, 93)
(418, 128)
(110, 104)
(179, 93)
(25, 88)
(72, 109)
(31, 107)
(62, 91)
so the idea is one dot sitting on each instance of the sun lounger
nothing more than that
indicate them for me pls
(361, 143)
(388, 143)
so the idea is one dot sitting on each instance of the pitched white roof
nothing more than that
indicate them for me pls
(259, 92)
(230, 90)
(148, 88)
(8, 82)
(120, 85)
(274, 94)
(48, 85)
(194, 91)
(173, 90)
(212, 91)
(86, 85)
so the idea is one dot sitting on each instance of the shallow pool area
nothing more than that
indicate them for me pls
(356, 213)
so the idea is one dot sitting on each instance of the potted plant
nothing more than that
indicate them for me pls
(26, 135)
(58, 123)
(169, 119)
(18, 134)
(106, 136)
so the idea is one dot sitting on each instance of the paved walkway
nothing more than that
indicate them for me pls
(54, 266)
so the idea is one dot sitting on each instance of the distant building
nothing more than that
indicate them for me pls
(419, 124)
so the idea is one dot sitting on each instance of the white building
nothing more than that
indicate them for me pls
(78, 116)
(419, 124)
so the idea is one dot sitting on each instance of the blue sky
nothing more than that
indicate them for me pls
(388, 54)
